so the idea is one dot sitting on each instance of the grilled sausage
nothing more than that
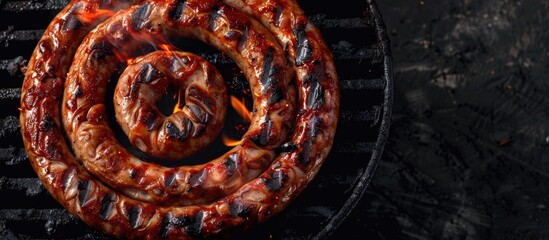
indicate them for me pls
(114, 191)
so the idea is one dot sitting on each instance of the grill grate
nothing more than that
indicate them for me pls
(364, 68)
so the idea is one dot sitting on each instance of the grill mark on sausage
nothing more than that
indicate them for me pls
(141, 16)
(304, 50)
(134, 216)
(176, 11)
(107, 205)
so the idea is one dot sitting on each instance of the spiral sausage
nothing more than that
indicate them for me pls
(108, 188)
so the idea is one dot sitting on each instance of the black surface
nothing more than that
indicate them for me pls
(467, 155)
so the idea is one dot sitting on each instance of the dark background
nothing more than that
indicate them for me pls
(468, 148)
(466, 153)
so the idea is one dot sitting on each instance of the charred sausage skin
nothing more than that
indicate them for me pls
(166, 210)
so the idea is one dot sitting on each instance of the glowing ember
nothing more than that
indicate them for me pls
(88, 17)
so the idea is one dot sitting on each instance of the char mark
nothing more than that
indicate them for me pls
(198, 178)
(149, 120)
(71, 23)
(287, 147)
(200, 115)
(276, 181)
(147, 74)
(170, 179)
(240, 209)
(276, 95)
(270, 72)
(84, 192)
(191, 224)
(134, 215)
(262, 138)
(200, 96)
(305, 155)
(231, 163)
(278, 15)
(177, 10)
(107, 205)
(216, 13)
(47, 124)
(304, 50)
(242, 39)
(315, 99)
(101, 50)
(140, 16)
(172, 131)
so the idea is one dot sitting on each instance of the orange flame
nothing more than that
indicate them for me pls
(166, 47)
(177, 107)
(241, 109)
(230, 142)
(89, 17)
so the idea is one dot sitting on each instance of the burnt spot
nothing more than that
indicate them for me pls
(270, 72)
(84, 192)
(240, 209)
(101, 50)
(172, 131)
(191, 224)
(200, 95)
(262, 138)
(231, 35)
(276, 180)
(47, 124)
(199, 115)
(304, 50)
(140, 16)
(305, 155)
(71, 23)
(78, 92)
(136, 173)
(315, 99)
(231, 163)
(197, 178)
(107, 205)
(276, 95)
(278, 15)
(133, 88)
(147, 74)
(52, 150)
(170, 179)
(134, 216)
(149, 120)
(216, 13)
(314, 126)
(176, 11)
(242, 39)
(287, 147)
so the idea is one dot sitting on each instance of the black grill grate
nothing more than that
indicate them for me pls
(361, 50)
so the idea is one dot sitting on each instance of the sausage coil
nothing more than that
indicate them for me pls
(73, 149)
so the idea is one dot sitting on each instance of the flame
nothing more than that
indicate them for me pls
(241, 109)
(166, 47)
(177, 107)
(229, 142)
(88, 17)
